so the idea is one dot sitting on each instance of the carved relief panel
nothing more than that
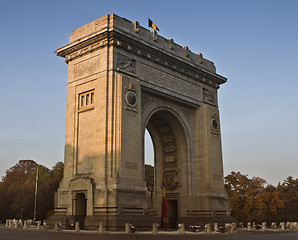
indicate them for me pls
(126, 64)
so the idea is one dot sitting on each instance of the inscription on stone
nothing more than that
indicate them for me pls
(171, 82)
(87, 68)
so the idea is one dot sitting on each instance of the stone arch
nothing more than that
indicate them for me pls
(171, 145)
(132, 81)
(181, 122)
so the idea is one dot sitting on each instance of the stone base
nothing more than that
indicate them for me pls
(110, 223)
(117, 222)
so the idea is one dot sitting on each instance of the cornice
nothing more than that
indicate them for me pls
(83, 46)
(141, 49)
(162, 58)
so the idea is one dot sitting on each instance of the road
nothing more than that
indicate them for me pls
(7, 234)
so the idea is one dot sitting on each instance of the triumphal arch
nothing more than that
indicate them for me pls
(123, 79)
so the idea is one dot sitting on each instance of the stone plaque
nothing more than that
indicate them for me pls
(87, 68)
(170, 180)
(131, 165)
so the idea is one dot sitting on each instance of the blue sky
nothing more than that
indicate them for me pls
(252, 43)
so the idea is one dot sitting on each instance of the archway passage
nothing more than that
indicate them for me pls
(80, 209)
(170, 161)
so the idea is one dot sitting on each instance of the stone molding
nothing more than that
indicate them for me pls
(114, 37)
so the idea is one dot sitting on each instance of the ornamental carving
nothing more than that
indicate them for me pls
(78, 53)
(170, 180)
(214, 124)
(126, 64)
(208, 96)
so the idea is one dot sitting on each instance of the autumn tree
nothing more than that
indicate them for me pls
(268, 205)
(236, 186)
(18, 190)
(252, 200)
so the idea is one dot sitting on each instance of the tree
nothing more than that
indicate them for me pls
(289, 194)
(149, 177)
(18, 190)
(268, 205)
(251, 201)
(3, 215)
(255, 187)
(57, 172)
(236, 186)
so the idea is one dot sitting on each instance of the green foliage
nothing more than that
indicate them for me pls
(254, 201)
(17, 190)
(149, 177)
(289, 193)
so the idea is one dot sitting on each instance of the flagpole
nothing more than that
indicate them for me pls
(36, 180)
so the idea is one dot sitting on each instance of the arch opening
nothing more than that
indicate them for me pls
(170, 162)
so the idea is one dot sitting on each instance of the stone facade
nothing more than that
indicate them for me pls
(123, 79)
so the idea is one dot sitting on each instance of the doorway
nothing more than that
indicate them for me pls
(80, 209)
(172, 207)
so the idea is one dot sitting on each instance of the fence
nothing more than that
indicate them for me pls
(228, 228)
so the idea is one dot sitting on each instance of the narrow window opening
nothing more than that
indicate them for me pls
(87, 99)
(92, 98)
(82, 101)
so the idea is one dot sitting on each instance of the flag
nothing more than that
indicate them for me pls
(164, 220)
(152, 25)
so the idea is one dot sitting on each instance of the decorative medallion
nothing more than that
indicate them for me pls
(214, 124)
(131, 99)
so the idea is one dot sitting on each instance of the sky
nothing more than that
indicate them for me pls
(254, 44)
